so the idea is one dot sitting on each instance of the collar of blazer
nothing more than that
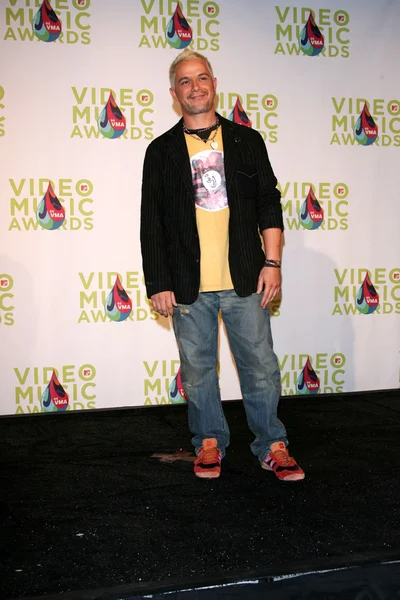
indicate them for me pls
(231, 138)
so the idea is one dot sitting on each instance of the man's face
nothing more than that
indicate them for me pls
(194, 87)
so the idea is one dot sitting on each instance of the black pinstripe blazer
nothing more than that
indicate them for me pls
(168, 230)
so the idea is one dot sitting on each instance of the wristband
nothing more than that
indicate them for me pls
(276, 264)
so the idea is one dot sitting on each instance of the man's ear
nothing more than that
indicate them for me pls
(173, 94)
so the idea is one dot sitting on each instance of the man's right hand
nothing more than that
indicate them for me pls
(163, 303)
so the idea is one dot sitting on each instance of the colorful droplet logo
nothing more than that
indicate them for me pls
(176, 393)
(311, 40)
(178, 32)
(112, 122)
(238, 114)
(50, 213)
(311, 214)
(367, 298)
(45, 24)
(118, 305)
(54, 397)
(365, 128)
(308, 380)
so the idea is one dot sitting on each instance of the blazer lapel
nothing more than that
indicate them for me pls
(179, 154)
(231, 139)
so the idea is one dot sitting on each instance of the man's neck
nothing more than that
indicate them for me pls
(199, 121)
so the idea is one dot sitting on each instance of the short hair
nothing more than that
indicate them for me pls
(183, 57)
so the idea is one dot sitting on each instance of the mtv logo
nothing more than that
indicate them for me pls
(87, 372)
(341, 18)
(211, 10)
(84, 187)
(144, 98)
(3, 282)
(395, 107)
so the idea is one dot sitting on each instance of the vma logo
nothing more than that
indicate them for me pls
(162, 383)
(34, 204)
(6, 299)
(2, 107)
(358, 121)
(46, 389)
(62, 21)
(109, 296)
(305, 374)
(313, 33)
(198, 20)
(322, 206)
(364, 291)
(105, 113)
(261, 111)
(54, 397)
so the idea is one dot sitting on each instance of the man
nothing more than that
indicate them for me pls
(208, 191)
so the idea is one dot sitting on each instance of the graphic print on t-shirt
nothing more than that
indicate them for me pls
(209, 180)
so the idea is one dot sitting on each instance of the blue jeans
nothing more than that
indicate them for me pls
(249, 334)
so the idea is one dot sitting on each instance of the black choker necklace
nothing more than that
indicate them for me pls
(190, 131)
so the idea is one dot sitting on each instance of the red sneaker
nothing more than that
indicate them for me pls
(208, 461)
(283, 465)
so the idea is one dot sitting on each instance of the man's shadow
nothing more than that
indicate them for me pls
(306, 323)
(20, 317)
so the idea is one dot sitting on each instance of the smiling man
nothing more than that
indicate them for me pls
(208, 192)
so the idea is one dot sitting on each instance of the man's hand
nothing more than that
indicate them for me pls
(163, 303)
(269, 280)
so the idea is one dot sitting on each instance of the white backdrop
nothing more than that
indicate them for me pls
(53, 283)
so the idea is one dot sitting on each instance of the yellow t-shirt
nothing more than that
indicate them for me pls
(212, 212)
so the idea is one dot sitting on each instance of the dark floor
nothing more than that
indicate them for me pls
(85, 506)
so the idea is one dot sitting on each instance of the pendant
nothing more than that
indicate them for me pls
(214, 145)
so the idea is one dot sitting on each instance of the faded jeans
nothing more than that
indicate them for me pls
(249, 334)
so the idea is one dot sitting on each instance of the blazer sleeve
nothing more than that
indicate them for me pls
(152, 232)
(269, 208)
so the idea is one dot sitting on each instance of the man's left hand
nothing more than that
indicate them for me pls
(269, 280)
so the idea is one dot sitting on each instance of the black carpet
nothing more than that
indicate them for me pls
(85, 506)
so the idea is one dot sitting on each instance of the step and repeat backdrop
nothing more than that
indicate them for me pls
(84, 90)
